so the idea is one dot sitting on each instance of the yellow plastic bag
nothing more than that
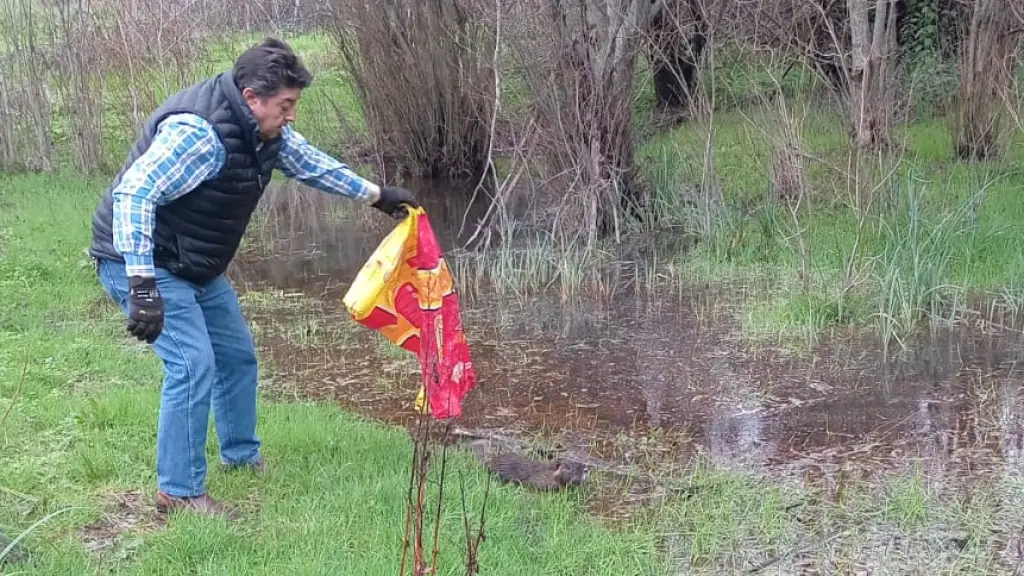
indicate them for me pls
(406, 293)
(373, 278)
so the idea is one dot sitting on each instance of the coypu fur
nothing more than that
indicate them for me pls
(546, 476)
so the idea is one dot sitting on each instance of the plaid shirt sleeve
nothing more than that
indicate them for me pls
(185, 152)
(302, 162)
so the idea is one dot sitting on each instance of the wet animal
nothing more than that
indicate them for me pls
(549, 475)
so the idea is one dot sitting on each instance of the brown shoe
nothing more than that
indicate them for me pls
(204, 505)
(260, 467)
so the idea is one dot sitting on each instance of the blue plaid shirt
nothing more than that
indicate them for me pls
(185, 152)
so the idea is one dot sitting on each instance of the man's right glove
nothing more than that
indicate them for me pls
(391, 200)
(145, 309)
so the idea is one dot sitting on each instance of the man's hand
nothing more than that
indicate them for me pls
(145, 310)
(391, 200)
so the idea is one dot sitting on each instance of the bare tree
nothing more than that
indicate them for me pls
(873, 44)
(987, 64)
(578, 59)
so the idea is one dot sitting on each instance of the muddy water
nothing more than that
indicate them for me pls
(630, 380)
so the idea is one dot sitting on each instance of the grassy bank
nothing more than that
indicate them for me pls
(79, 441)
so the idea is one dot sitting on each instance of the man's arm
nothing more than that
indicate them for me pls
(301, 161)
(185, 152)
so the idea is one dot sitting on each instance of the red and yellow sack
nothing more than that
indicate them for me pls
(406, 292)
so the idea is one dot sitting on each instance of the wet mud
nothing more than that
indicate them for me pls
(628, 380)
(126, 517)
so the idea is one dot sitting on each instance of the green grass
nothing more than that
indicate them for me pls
(82, 427)
(938, 229)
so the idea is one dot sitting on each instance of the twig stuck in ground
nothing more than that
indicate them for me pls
(424, 437)
(473, 545)
(17, 392)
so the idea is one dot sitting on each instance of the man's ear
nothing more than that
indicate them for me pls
(250, 96)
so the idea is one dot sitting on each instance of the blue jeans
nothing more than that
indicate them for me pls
(208, 357)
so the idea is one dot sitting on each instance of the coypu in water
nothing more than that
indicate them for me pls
(548, 476)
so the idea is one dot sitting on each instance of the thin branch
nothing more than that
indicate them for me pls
(17, 391)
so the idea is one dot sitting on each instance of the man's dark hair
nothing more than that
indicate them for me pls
(270, 66)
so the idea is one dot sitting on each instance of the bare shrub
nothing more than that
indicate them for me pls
(150, 49)
(424, 76)
(78, 78)
(987, 64)
(25, 109)
(81, 76)
(261, 15)
(788, 176)
(789, 180)
(578, 62)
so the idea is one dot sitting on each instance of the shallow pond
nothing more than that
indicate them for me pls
(630, 379)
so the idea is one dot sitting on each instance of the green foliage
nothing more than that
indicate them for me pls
(941, 232)
(921, 39)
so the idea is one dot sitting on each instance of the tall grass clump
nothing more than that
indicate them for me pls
(686, 199)
(789, 185)
(424, 74)
(912, 268)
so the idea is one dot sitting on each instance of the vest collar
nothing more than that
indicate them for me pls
(250, 128)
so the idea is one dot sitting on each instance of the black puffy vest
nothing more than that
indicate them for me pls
(196, 236)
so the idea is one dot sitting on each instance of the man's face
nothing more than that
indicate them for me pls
(273, 112)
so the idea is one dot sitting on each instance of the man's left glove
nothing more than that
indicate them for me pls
(145, 309)
(391, 202)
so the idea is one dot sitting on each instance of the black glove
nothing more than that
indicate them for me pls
(391, 200)
(145, 309)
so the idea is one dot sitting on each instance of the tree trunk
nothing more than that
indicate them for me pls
(678, 34)
(986, 77)
(872, 43)
(614, 28)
